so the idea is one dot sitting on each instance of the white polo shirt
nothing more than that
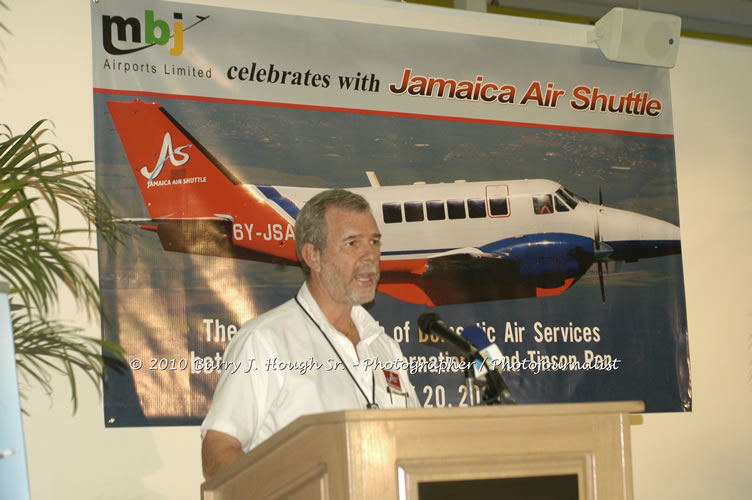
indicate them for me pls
(288, 369)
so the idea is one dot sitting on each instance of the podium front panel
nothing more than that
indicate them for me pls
(396, 454)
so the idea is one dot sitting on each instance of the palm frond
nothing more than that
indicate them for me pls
(38, 256)
(36, 178)
(45, 347)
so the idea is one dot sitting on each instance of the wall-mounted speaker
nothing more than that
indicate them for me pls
(638, 37)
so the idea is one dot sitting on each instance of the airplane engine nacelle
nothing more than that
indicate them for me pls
(553, 257)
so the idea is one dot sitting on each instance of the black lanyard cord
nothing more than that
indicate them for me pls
(370, 404)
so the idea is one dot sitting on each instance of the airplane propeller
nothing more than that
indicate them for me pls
(600, 201)
(601, 251)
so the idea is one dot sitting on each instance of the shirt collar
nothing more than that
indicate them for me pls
(367, 327)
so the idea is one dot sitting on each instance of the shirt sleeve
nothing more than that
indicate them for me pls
(242, 399)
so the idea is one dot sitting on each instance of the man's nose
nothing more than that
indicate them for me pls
(372, 253)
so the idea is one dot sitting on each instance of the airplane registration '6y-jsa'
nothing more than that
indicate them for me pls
(446, 243)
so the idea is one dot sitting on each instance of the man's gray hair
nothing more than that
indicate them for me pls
(310, 225)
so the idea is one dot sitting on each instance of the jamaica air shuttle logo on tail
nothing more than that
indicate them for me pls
(138, 35)
(176, 156)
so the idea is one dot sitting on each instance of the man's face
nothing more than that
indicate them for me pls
(349, 263)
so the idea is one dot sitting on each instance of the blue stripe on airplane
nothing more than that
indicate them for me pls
(285, 203)
(417, 252)
(541, 242)
(643, 249)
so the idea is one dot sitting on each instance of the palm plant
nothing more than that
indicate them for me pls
(37, 257)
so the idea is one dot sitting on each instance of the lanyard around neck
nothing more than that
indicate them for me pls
(371, 404)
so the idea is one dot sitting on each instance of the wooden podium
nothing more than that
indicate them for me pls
(399, 454)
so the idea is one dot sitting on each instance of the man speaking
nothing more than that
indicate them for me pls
(309, 354)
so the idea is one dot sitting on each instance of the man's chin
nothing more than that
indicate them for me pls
(365, 297)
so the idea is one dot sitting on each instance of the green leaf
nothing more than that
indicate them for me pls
(44, 347)
(36, 257)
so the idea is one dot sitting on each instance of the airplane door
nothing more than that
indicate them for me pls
(497, 200)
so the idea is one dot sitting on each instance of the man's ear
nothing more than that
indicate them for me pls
(311, 256)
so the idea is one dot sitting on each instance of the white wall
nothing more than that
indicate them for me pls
(691, 456)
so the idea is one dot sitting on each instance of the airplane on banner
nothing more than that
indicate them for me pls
(447, 243)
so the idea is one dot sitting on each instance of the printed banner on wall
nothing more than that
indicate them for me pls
(526, 189)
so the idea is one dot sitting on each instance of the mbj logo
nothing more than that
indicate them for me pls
(177, 158)
(155, 32)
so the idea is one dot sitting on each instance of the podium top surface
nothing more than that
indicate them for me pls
(471, 412)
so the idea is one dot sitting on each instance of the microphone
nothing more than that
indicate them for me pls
(486, 365)
(430, 322)
(488, 351)
(496, 388)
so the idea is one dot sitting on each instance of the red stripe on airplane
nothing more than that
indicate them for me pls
(550, 292)
(413, 266)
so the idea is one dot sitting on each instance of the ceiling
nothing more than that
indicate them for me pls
(723, 20)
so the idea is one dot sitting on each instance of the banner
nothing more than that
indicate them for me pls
(526, 189)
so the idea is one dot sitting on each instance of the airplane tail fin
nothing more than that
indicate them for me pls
(177, 176)
(181, 182)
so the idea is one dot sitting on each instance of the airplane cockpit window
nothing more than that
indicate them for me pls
(476, 208)
(414, 211)
(567, 198)
(456, 209)
(575, 195)
(498, 206)
(560, 205)
(543, 204)
(392, 212)
(435, 210)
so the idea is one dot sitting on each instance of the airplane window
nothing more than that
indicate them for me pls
(570, 201)
(543, 204)
(575, 196)
(435, 210)
(413, 211)
(456, 209)
(560, 205)
(498, 206)
(476, 208)
(392, 212)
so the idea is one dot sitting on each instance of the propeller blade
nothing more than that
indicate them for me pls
(600, 196)
(600, 255)
(597, 234)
